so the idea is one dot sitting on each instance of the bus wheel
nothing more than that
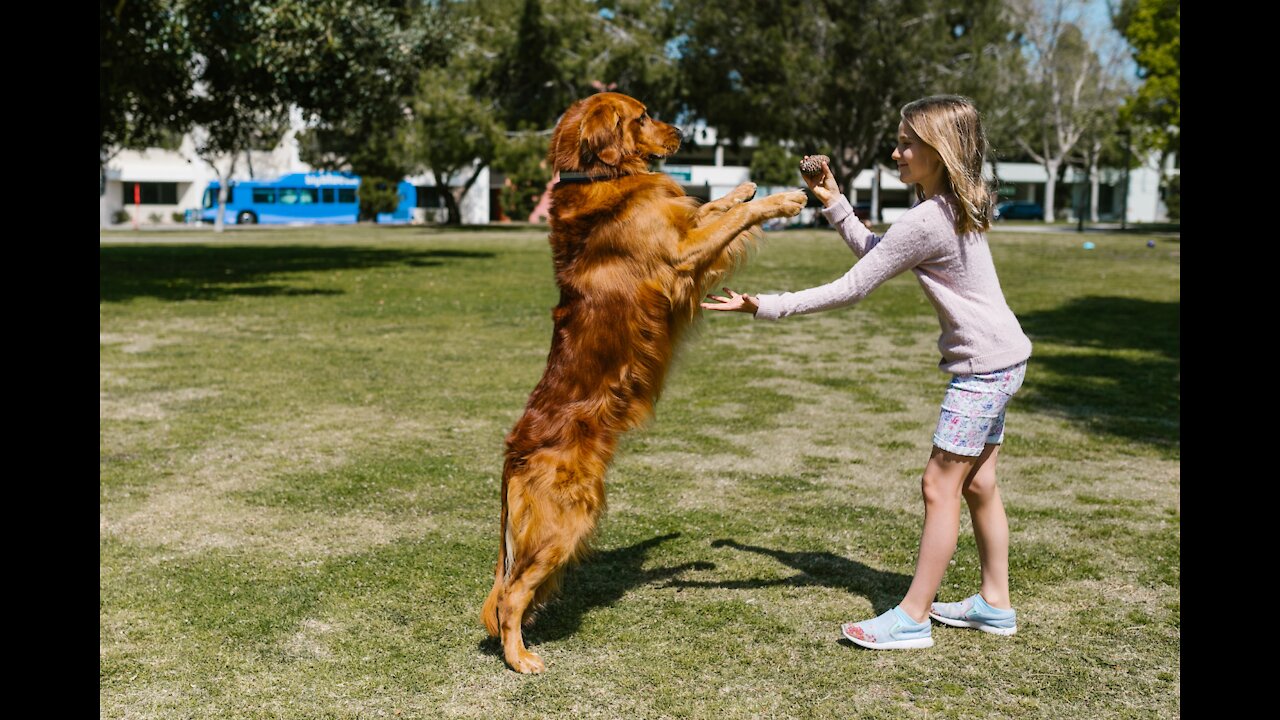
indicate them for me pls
(246, 218)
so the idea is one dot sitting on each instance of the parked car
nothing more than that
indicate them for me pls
(862, 210)
(1019, 211)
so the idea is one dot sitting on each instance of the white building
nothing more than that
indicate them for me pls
(1019, 181)
(169, 183)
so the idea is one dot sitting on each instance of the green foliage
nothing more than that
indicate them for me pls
(1173, 197)
(454, 134)
(522, 158)
(144, 73)
(831, 74)
(772, 164)
(348, 65)
(369, 56)
(525, 81)
(377, 195)
(1153, 28)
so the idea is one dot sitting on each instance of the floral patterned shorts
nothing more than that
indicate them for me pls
(973, 410)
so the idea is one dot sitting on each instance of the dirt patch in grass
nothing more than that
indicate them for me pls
(194, 509)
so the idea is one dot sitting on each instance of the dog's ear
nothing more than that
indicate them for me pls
(601, 133)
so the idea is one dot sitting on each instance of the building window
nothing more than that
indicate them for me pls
(429, 196)
(151, 193)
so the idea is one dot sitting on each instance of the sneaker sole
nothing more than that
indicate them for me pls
(975, 624)
(891, 645)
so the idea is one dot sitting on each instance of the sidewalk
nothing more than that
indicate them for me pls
(1063, 229)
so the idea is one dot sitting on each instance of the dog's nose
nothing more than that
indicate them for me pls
(679, 134)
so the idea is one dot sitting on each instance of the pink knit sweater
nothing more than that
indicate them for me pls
(979, 332)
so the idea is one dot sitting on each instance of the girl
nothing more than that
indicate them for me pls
(940, 151)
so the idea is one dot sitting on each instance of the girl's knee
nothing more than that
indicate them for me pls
(938, 488)
(981, 486)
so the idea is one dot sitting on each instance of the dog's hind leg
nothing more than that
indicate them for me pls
(525, 585)
(548, 529)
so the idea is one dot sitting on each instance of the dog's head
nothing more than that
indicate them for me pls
(609, 134)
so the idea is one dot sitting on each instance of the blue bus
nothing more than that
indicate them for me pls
(300, 198)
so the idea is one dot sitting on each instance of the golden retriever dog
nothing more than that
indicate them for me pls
(633, 257)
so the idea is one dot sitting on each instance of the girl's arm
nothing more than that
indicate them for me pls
(907, 244)
(839, 212)
(856, 235)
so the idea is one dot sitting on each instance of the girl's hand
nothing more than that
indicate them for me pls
(824, 187)
(733, 303)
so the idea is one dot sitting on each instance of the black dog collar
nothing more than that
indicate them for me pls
(580, 177)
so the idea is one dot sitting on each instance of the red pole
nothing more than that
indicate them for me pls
(137, 204)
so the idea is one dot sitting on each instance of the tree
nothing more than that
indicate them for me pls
(831, 77)
(144, 76)
(527, 84)
(772, 164)
(522, 157)
(1154, 113)
(341, 61)
(1100, 144)
(1067, 86)
(378, 195)
(1153, 28)
(453, 135)
(372, 55)
(632, 46)
(536, 57)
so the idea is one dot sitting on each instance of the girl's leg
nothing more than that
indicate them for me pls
(944, 477)
(990, 528)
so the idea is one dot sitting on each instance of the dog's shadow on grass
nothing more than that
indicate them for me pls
(605, 577)
(600, 581)
(883, 589)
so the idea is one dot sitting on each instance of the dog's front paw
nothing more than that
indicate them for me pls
(742, 193)
(784, 204)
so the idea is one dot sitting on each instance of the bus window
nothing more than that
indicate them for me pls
(346, 195)
(264, 196)
(211, 196)
(297, 196)
(327, 194)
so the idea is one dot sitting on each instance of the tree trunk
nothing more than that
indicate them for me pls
(450, 202)
(1094, 181)
(222, 191)
(875, 196)
(1050, 188)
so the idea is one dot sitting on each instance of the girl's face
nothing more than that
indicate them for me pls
(917, 162)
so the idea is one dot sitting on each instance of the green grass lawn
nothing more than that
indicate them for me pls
(301, 442)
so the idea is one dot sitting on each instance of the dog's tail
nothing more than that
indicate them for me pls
(489, 613)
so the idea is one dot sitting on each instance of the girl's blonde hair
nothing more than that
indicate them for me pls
(951, 126)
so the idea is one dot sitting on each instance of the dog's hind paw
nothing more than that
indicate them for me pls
(527, 663)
